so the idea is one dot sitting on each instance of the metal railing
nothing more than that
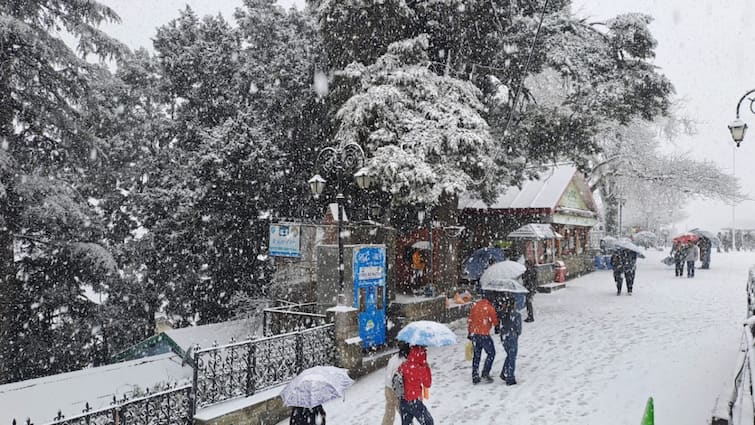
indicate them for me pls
(172, 406)
(289, 317)
(737, 404)
(241, 369)
(221, 373)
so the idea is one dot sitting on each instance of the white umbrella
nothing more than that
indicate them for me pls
(502, 270)
(503, 285)
(427, 333)
(315, 386)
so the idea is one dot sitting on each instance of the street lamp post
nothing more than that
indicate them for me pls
(337, 162)
(738, 128)
(621, 207)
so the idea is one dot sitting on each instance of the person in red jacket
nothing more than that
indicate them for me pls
(482, 317)
(417, 377)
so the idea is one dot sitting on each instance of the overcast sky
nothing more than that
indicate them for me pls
(705, 47)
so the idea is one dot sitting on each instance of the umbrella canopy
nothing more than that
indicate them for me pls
(645, 238)
(714, 241)
(427, 333)
(315, 386)
(503, 270)
(473, 267)
(686, 238)
(421, 245)
(503, 285)
(537, 231)
(629, 246)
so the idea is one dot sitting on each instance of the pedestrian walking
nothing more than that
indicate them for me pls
(529, 279)
(482, 317)
(391, 400)
(693, 254)
(617, 264)
(417, 381)
(307, 416)
(629, 263)
(511, 327)
(679, 253)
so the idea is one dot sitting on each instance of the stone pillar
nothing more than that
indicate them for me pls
(347, 340)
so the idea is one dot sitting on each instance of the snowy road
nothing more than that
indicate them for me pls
(594, 358)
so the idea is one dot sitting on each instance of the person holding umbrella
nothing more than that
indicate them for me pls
(415, 371)
(310, 389)
(693, 254)
(617, 264)
(417, 381)
(307, 416)
(529, 279)
(511, 328)
(482, 317)
(679, 253)
(391, 400)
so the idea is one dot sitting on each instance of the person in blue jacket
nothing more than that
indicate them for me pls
(510, 322)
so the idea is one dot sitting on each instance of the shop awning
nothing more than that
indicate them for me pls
(535, 231)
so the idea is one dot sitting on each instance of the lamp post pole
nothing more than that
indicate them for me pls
(738, 128)
(337, 162)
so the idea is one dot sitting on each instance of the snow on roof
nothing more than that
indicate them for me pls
(333, 210)
(537, 231)
(40, 399)
(206, 335)
(542, 193)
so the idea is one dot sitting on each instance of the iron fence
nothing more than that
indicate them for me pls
(289, 317)
(243, 368)
(221, 373)
(172, 406)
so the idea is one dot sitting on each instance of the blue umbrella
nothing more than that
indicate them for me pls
(473, 267)
(315, 386)
(427, 333)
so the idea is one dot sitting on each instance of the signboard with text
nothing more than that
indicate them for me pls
(285, 240)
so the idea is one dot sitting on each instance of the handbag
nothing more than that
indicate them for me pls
(469, 351)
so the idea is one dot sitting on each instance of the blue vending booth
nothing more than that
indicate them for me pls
(369, 294)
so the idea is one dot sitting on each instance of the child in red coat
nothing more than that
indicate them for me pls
(417, 376)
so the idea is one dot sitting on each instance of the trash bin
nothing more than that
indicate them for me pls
(599, 264)
(560, 272)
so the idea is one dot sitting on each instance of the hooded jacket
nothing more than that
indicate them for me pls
(482, 317)
(416, 373)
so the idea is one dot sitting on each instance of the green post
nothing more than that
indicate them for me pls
(649, 417)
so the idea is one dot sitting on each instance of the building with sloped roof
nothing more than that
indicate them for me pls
(560, 197)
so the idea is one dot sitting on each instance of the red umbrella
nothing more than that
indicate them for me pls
(686, 238)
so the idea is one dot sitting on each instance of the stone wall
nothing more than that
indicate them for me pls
(266, 411)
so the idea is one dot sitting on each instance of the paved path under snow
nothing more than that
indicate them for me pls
(594, 358)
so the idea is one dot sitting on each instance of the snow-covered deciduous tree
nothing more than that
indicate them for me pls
(633, 167)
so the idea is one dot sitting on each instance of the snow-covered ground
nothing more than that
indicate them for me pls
(594, 358)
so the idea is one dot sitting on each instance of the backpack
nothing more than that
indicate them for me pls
(397, 383)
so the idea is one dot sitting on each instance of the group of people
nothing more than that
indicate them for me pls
(410, 363)
(501, 316)
(624, 265)
(685, 252)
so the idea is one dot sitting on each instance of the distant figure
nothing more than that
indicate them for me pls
(529, 279)
(705, 250)
(511, 327)
(417, 379)
(617, 265)
(482, 317)
(307, 416)
(391, 400)
(629, 263)
(693, 254)
(679, 253)
(418, 266)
